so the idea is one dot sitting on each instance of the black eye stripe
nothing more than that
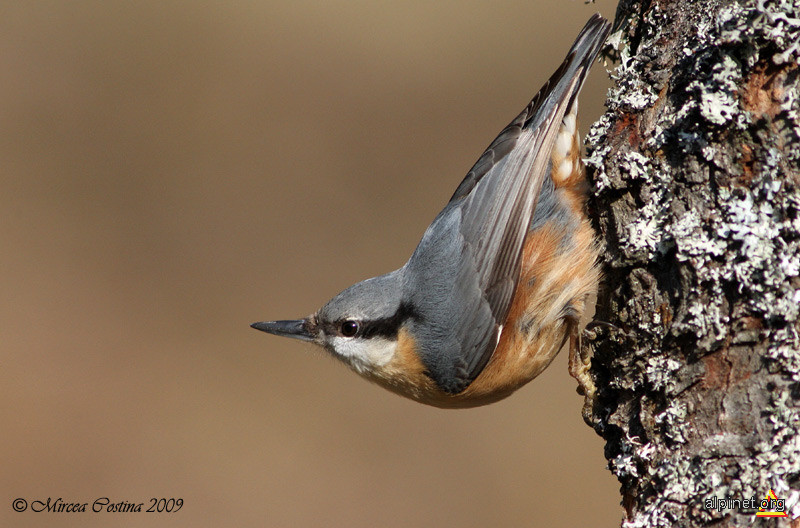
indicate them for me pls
(386, 327)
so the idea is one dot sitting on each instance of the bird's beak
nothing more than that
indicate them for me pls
(297, 329)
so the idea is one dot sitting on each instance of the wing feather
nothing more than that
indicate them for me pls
(463, 275)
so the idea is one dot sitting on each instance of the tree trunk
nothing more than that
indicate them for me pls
(696, 175)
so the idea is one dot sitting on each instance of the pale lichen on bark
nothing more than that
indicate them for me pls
(696, 173)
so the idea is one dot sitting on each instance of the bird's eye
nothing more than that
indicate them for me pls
(349, 328)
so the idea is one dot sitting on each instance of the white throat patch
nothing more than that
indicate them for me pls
(365, 354)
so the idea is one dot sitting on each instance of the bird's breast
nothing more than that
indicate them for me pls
(558, 272)
(555, 280)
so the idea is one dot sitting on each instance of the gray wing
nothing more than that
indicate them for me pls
(462, 276)
(577, 63)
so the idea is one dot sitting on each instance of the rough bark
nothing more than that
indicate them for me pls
(696, 174)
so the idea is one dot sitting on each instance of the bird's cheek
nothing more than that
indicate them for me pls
(380, 351)
(364, 354)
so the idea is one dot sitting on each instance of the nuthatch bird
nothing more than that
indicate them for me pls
(499, 281)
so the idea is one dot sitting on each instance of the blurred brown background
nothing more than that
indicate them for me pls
(173, 171)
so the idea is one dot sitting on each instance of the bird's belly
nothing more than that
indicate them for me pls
(559, 272)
